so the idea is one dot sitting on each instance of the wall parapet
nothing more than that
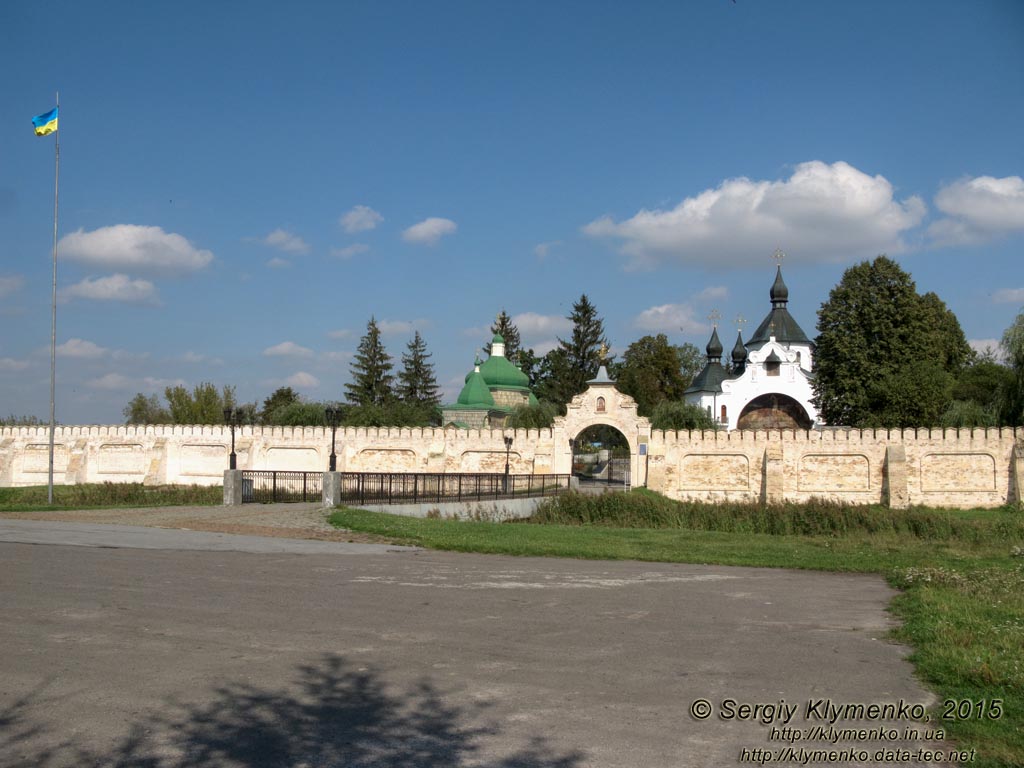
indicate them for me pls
(979, 467)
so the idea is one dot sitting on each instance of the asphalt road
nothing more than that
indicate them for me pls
(185, 648)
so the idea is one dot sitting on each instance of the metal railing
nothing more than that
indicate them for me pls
(265, 486)
(421, 487)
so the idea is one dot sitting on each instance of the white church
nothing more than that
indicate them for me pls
(768, 385)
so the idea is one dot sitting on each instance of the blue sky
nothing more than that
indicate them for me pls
(243, 185)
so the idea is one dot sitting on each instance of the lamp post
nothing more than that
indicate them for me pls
(333, 414)
(508, 449)
(231, 419)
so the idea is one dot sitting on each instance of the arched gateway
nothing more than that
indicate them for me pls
(603, 405)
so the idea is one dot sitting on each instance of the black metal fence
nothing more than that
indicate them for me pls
(420, 487)
(262, 487)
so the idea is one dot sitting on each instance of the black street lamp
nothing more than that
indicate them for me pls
(333, 414)
(508, 448)
(231, 419)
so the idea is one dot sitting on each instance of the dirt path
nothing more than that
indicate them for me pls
(291, 521)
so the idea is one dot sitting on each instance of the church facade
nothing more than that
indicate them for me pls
(768, 383)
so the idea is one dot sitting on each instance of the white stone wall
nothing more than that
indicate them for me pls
(944, 468)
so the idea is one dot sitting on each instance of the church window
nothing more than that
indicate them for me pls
(600, 405)
(724, 417)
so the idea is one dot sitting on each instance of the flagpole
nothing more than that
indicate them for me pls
(53, 305)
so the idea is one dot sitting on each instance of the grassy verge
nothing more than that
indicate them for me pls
(100, 495)
(961, 575)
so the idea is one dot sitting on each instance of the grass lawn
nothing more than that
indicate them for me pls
(108, 495)
(961, 576)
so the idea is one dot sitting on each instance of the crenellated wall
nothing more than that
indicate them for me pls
(158, 455)
(944, 468)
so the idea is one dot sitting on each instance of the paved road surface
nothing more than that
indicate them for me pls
(193, 649)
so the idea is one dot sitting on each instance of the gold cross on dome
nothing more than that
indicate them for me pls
(778, 256)
(603, 352)
(714, 316)
(740, 322)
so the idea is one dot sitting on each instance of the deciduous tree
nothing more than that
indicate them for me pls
(885, 356)
(1012, 399)
(652, 370)
(143, 409)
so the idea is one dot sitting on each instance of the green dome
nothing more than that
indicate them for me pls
(499, 372)
(475, 394)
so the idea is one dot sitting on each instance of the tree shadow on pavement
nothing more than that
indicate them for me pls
(333, 715)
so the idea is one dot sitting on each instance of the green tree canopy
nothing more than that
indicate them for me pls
(372, 378)
(417, 384)
(1011, 410)
(539, 416)
(203, 405)
(675, 415)
(885, 356)
(652, 370)
(281, 397)
(144, 409)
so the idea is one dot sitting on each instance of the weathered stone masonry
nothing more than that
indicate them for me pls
(946, 468)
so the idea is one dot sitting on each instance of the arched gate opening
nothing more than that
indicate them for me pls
(601, 457)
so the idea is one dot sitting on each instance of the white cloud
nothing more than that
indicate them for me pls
(336, 356)
(153, 383)
(195, 357)
(286, 241)
(350, 250)
(135, 249)
(541, 348)
(287, 349)
(360, 219)
(822, 212)
(113, 381)
(113, 288)
(9, 364)
(340, 333)
(10, 284)
(302, 379)
(669, 318)
(119, 382)
(531, 324)
(1009, 296)
(278, 263)
(983, 345)
(978, 209)
(429, 231)
(82, 349)
(713, 293)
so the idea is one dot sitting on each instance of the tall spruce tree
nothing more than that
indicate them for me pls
(886, 356)
(575, 361)
(417, 384)
(372, 379)
(504, 327)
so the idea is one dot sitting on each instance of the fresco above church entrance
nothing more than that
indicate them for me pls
(774, 411)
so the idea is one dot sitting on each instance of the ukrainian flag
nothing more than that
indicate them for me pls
(46, 123)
